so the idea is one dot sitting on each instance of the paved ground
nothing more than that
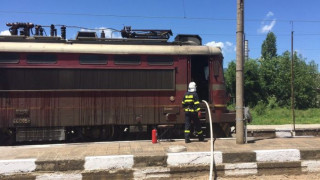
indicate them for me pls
(285, 126)
(81, 150)
(259, 156)
(308, 176)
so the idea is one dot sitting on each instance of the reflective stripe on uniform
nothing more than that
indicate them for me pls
(189, 96)
(190, 103)
(186, 131)
(200, 132)
(188, 110)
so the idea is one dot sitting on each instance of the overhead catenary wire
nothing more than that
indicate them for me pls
(184, 9)
(248, 35)
(202, 34)
(176, 18)
(156, 17)
(168, 17)
(118, 16)
(81, 27)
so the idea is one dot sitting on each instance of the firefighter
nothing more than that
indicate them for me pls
(191, 107)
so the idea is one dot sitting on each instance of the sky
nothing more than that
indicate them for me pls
(213, 20)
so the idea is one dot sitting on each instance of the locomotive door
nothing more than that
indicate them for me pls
(200, 75)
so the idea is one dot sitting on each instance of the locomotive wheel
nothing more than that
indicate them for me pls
(226, 128)
(117, 132)
(92, 133)
(107, 132)
(7, 137)
(74, 134)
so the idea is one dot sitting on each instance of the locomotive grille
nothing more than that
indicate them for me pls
(86, 79)
(40, 134)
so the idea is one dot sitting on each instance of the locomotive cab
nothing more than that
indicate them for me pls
(207, 73)
(200, 75)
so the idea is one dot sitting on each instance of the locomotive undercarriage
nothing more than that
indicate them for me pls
(31, 135)
(27, 135)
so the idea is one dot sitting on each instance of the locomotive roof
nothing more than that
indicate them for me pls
(107, 48)
(134, 41)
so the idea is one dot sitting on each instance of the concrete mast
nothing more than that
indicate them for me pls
(239, 74)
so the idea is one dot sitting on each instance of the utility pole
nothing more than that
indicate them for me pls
(239, 74)
(292, 83)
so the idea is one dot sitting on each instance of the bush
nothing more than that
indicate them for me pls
(260, 108)
(272, 102)
(231, 107)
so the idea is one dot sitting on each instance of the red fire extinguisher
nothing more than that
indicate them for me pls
(154, 136)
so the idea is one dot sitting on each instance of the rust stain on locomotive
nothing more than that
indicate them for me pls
(88, 108)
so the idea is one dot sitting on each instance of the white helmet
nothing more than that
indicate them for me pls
(192, 87)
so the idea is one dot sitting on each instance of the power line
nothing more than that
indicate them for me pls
(119, 16)
(154, 17)
(184, 9)
(311, 34)
(255, 35)
(283, 48)
(202, 34)
(168, 17)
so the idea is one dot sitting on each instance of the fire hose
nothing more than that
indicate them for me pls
(211, 140)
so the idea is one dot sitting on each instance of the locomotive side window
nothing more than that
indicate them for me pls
(160, 60)
(120, 59)
(9, 57)
(92, 59)
(41, 58)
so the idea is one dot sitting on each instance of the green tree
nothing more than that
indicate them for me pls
(268, 72)
(281, 84)
(269, 47)
(230, 78)
(305, 83)
(267, 81)
(275, 80)
(252, 88)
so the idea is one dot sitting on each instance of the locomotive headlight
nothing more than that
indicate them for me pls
(172, 98)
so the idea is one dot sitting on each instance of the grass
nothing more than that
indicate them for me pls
(283, 116)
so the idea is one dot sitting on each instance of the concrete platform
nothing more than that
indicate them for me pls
(286, 130)
(144, 160)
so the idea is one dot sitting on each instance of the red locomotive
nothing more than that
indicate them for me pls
(52, 88)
